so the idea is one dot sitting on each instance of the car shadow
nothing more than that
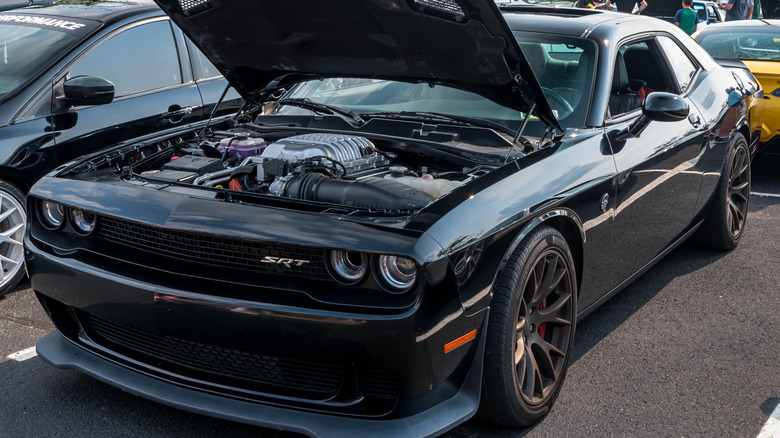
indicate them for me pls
(684, 260)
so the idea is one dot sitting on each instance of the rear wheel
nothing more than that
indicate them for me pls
(13, 220)
(726, 220)
(530, 330)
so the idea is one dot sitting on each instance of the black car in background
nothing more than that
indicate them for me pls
(74, 78)
(410, 232)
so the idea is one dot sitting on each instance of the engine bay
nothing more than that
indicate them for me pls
(343, 169)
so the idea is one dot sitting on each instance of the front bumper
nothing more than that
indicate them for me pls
(434, 391)
(61, 353)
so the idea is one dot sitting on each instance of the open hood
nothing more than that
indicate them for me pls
(263, 45)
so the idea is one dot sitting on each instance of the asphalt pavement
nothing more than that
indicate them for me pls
(692, 348)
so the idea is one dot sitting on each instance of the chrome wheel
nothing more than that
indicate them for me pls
(738, 191)
(12, 226)
(543, 328)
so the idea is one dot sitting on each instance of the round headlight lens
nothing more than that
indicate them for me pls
(83, 221)
(348, 267)
(52, 214)
(398, 273)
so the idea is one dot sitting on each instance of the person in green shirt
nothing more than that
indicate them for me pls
(685, 18)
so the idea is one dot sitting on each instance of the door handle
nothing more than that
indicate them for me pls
(175, 111)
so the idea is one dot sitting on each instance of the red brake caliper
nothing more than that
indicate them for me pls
(542, 326)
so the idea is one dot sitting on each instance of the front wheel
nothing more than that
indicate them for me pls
(530, 330)
(13, 222)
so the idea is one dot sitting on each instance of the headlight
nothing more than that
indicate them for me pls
(347, 267)
(398, 273)
(52, 214)
(83, 221)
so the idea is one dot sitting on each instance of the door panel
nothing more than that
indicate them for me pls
(143, 64)
(659, 177)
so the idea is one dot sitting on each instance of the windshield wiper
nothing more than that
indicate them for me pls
(323, 108)
(441, 118)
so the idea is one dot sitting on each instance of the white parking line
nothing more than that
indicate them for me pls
(765, 195)
(772, 427)
(25, 354)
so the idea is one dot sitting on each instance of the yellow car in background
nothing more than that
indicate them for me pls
(757, 44)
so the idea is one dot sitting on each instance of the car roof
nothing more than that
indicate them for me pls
(579, 22)
(106, 12)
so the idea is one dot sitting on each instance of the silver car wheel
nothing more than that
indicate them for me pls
(13, 222)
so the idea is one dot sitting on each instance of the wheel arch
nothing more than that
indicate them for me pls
(744, 129)
(566, 222)
(16, 182)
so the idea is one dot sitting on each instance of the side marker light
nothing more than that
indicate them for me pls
(460, 341)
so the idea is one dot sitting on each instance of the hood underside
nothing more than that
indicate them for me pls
(261, 46)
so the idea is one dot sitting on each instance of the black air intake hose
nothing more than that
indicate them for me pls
(371, 192)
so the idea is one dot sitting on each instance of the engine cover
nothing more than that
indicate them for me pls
(355, 153)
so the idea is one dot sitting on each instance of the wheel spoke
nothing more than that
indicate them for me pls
(519, 352)
(533, 379)
(5, 214)
(549, 314)
(544, 352)
(739, 191)
(548, 278)
(735, 217)
(739, 163)
(5, 236)
(7, 260)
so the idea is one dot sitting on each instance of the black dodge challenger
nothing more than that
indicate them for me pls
(405, 227)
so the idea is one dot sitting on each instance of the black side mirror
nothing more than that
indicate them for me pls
(659, 107)
(88, 90)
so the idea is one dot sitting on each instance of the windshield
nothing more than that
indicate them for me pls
(764, 46)
(25, 50)
(564, 67)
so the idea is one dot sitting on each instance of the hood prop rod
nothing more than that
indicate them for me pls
(520, 131)
(214, 110)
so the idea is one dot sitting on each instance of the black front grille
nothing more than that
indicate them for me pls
(382, 384)
(317, 379)
(225, 251)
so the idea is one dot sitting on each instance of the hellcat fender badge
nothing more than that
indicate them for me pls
(605, 202)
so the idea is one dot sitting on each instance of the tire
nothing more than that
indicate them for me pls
(13, 222)
(530, 331)
(725, 222)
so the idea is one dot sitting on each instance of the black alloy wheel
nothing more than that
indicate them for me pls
(530, 331)
(738, 191)
(725, 222)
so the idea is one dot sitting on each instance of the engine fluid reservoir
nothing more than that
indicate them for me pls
(427, 183)
(242, 147)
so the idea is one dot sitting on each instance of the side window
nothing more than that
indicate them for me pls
(639, 70)
(712, 13)
(139, 59)
(681, 66)
(701, 13)
(201, 66)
